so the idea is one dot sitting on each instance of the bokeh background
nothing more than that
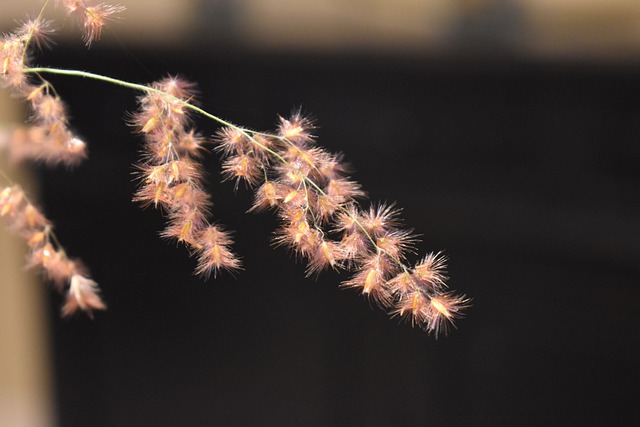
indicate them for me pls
(509, 131)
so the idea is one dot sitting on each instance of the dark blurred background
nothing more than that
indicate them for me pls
(522, 166)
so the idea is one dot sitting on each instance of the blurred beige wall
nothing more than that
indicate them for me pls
(405, 25)
(145, 21)
(25, 379)
(607, 29)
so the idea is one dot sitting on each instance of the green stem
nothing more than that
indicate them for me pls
(88, 75)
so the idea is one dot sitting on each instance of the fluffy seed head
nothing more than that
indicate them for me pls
(443, 310)
(185, 226)
(231, 141)
(347, 221)
(12, 52)
(327, 254)
(178, 87)
(371, 279)
(95, 18)
(380, 219)
(268, 195)
(54, 263)
(215, 254)
(83, 295)
(402, 284)
(432, 270)
(396, 243)
(297, 129)
(39, 31)
(343, 190)
(414, 306)
(242, 167)
(190, 144)
(354, 245)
